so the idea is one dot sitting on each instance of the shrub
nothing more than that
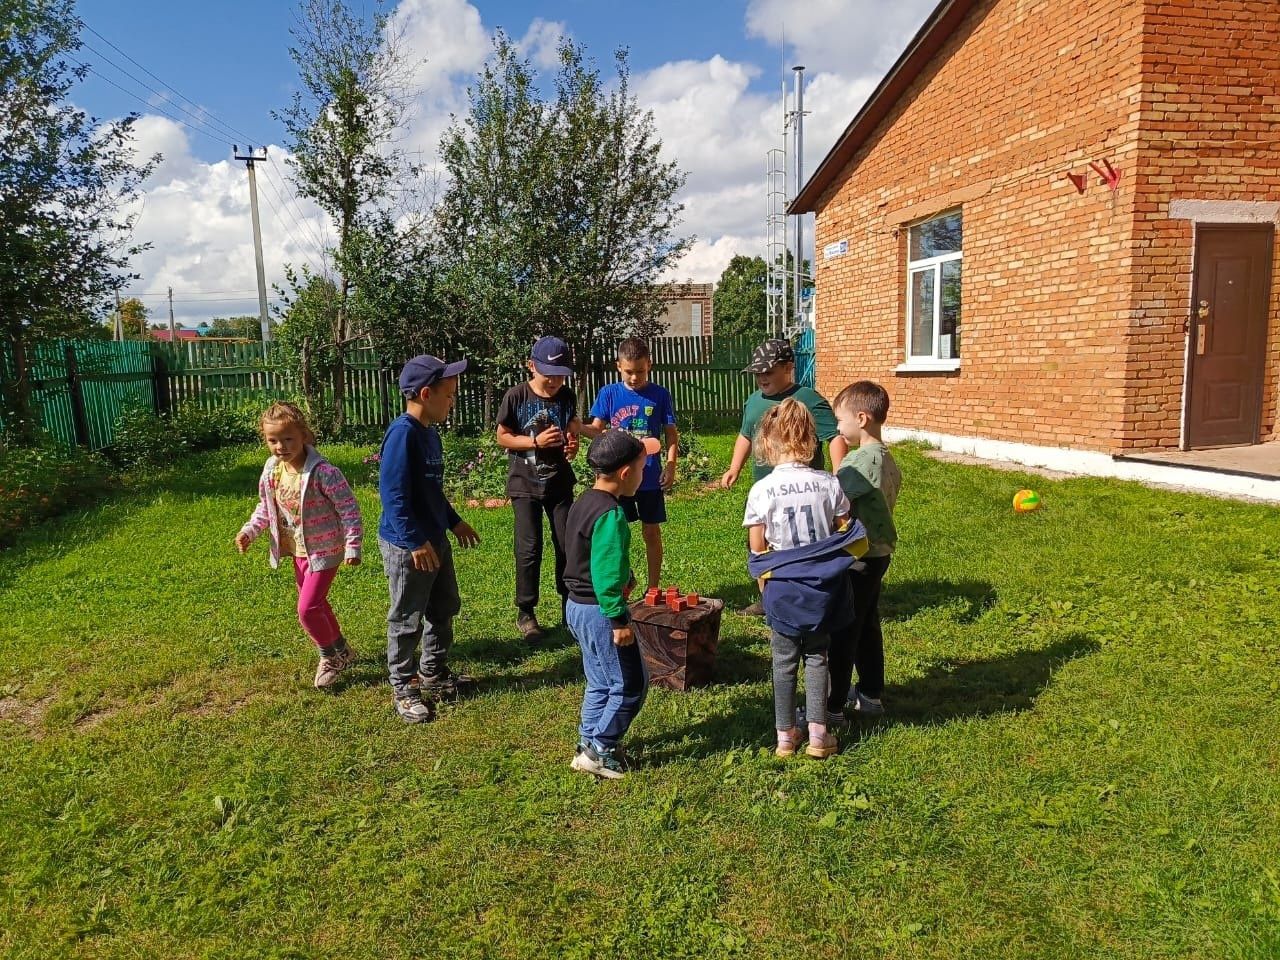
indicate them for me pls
(475, 468)
(144, 440)
(206, 429)
(44, 479)
(696, 467)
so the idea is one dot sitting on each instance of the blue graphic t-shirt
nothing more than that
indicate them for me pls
(646, 412)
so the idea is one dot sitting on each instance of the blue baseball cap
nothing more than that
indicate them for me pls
(550, 356)
(426, 371)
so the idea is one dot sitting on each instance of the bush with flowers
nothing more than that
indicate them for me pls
(42, 478)
(475, 469)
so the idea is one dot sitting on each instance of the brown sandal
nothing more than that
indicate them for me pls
(828, 746)
(789, 742)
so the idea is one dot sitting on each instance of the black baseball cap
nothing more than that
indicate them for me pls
(550, 356)
(768, 355)
(614, 449)
(426, 371)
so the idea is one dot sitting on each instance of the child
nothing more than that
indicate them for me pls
(871, 480)
(307, 506)
(537, 421)
(412, 538)
(599, 579)
(643, 409)
(793, 519)
(774, 366)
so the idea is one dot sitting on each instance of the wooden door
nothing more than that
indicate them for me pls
(1229, 333)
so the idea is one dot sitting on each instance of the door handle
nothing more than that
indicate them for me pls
(1202, 313)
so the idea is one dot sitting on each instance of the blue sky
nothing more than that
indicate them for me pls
(709, 70)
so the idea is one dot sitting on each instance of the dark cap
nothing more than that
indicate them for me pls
(550, 356)
(427, 371)
(768, 355)
(614, 449)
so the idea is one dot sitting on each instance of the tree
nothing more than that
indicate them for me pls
(304, 336)
(66, 181)
(340, 129)
(740, 303)
(133, 319)
(245, 328)
(560, 214)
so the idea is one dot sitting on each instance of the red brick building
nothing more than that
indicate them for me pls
(972, 256)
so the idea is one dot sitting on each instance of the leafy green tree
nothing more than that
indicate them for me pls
(246, 328)
(341, 130)
(305, 349)
(133, 319)
(740, 303)
(65, 182)
(560, 214)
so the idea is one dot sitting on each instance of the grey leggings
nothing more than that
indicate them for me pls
(787, 653)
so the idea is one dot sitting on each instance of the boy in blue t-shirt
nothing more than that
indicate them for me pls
(643, 409)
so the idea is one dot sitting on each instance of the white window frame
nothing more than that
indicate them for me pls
(931, 363)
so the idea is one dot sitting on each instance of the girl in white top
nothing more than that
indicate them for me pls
(794, 506)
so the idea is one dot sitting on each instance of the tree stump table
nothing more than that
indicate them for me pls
(678, 646)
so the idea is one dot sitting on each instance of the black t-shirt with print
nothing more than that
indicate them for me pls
(545, 471)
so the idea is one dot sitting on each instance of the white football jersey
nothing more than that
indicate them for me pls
(797, 504)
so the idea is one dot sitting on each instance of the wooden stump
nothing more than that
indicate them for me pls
(679, 647)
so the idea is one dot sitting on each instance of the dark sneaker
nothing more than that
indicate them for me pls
(859, 702)
(413, 710)
(605, 764)
(836, 719)
(446, 689)
(753, 610)
(530, 630)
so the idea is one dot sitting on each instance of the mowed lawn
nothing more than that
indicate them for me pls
(1082, 755)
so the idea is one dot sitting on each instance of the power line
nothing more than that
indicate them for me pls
(202, 125)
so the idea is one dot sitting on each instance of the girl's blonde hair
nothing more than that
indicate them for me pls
(787, 434)
(287, 414)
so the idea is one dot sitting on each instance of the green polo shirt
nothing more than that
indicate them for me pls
(758, 405)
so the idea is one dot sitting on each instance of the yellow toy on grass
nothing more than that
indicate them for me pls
(1024, 501)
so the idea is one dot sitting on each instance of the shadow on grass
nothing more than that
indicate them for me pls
(957, 691)
(903, 599)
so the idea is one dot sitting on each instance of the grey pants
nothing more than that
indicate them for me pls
(787, 653)
(423, 606)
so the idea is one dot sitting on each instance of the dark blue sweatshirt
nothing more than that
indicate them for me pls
(807, 588)
(415, 510)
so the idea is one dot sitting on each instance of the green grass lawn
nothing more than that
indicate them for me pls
(1082, 757)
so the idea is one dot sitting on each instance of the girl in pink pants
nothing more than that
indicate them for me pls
(306, 505)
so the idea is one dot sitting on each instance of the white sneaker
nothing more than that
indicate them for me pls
(329, 668)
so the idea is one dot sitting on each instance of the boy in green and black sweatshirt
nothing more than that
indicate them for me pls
(598, 579)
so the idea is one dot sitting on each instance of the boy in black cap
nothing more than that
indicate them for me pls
(538, 424)
(774, 366)
(599, 579)
(412, 538)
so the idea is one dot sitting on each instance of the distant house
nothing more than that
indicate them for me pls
(1053, 225)
(689, 311)
(162, 334)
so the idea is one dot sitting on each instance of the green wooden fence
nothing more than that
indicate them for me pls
(80, 387)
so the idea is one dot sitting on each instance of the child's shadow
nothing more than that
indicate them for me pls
(903, 599)
(970, 689)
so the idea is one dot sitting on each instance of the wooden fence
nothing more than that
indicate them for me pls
(80, 387)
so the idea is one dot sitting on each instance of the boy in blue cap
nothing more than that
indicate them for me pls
(416, 515)
(538, 424)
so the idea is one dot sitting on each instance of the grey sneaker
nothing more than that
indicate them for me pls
(330, 668)
(605, 764)
(859, 702)
(413, 710)
(753, 610)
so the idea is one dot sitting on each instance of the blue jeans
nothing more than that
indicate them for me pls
(617, 680)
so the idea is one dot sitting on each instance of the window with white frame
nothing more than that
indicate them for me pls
(933, 292)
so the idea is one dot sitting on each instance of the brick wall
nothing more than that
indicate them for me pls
(1210, 130)
(1023, 92)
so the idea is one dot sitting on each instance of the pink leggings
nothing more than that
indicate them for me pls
(314, 612)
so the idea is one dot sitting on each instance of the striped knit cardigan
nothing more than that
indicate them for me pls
(331, 527)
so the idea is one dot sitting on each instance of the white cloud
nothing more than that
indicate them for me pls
(716, 117)
(852, 37)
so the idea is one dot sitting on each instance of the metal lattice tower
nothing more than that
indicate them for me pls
(775, 247)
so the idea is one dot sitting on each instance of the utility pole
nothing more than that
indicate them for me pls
(798, 140)
(249, 159)
(173, 331)
(119, 319)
